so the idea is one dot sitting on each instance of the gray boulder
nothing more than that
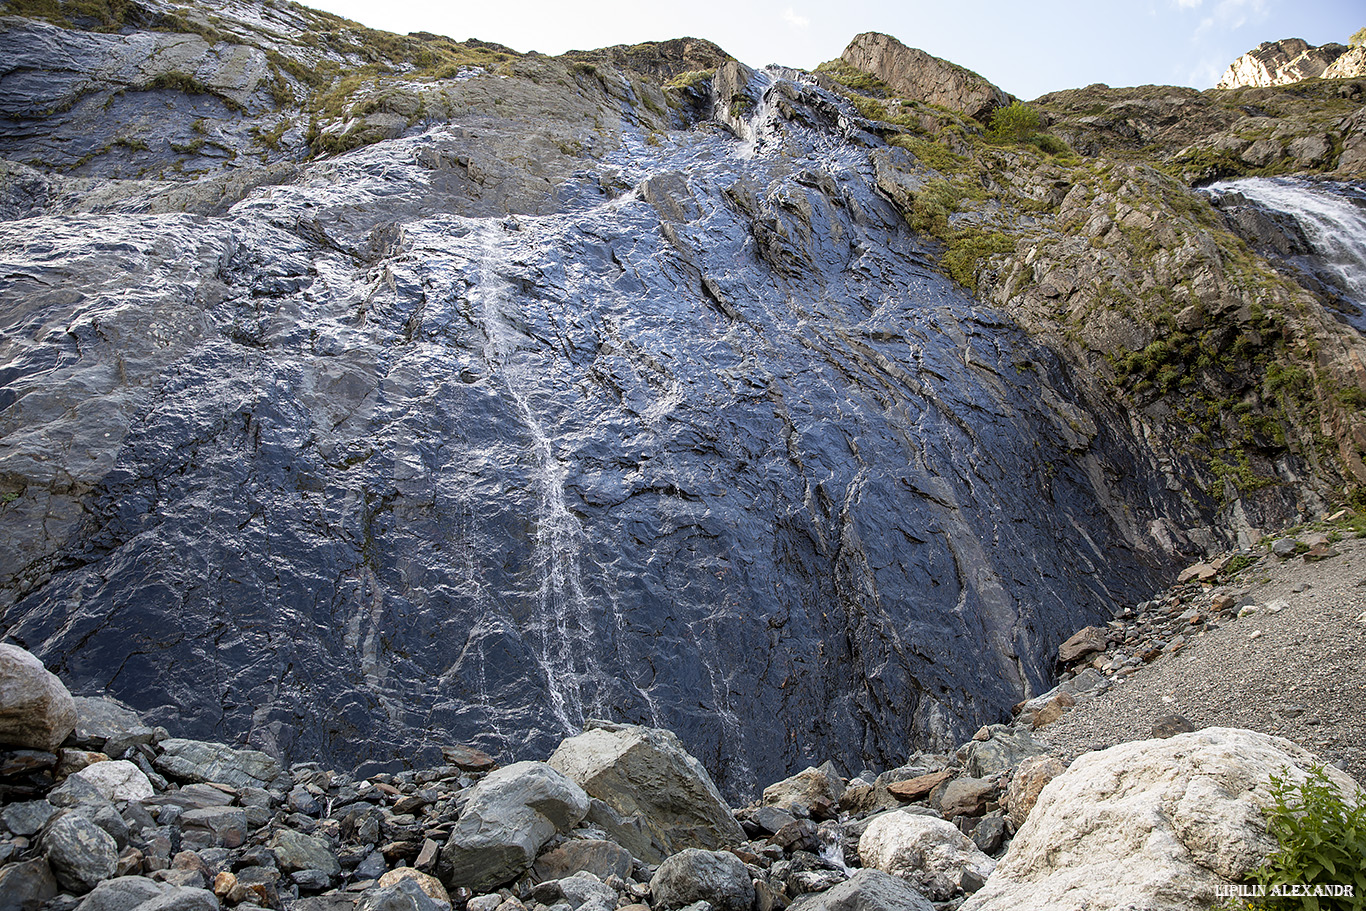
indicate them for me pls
(295, 851)
(810, 788)
(214, 827)
(80, 853)
(28, 817)
(108, 725)
(36, 709)
(1003, 750)
(26, 886)
(122, 893)
(404, 895)
(866, 890)
(592, 855)
(198, 761)
(509, 816)
(692, 875)
(645, 773)
(181, 898)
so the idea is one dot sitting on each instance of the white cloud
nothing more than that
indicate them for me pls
(1188, 4)
(791, 18)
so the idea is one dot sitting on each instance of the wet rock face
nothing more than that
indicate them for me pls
(696, 438)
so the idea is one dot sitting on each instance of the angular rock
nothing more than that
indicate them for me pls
(181, 898)
(1004, 750)
(645, 773)
(989, 834)
(966, 797)
(931, 854)
(1153, 823)
(918, 788)
(809, 788)
(916, 74)
(1171, 725)
(101, 722)
(694, 875)
(36, 709)
(80, 853)
(215, 827)
(403, 895)
(28, 817)
(428, 884)
(1082, 643)
(1030, 777)
(122, 893)
(199, 761)
(26, 885)
(582, 890)
(601, 858)
(866, 890)
(295, 851)
(117, 780)
(509, 815)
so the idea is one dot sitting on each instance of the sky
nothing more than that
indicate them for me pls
(1027, 49)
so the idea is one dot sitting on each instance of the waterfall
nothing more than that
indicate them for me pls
(1332, 218)
(564, 624)
(758, 123)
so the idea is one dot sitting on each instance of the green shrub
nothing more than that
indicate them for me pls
(1322, 842)
(1015, 122)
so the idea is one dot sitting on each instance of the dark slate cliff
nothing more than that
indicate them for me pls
(551, 398)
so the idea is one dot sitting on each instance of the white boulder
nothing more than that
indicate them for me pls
(36, 709)
(1156, 824)
(118, 779)
(928, 852)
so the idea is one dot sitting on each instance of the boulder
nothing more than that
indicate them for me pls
(919, 787)
(117, 780)
(28, 817)
(582, 890)
(295, 851)
(966, 797)
(1003, 750)
(929, 853)
(592, 855)
(27, 885)
(1083, 642)
(427, 883)
(106, 725)
(122, 893)
(1029, 779)
(645, 773)
(181, 898)
(692, 875)
(916, 74)
(403, 895)
(1157, 824)
(866, 890)
(214, 827)
(80, 853)
(810, 788)
(509, 816)
(36, 710)
(199, 761)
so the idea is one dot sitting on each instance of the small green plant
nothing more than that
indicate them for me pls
(1015, 122)
(1322, 841)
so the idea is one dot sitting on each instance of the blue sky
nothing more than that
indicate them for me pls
(1026, 48)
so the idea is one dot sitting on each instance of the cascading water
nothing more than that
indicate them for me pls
(564, 626)
(1331, 216)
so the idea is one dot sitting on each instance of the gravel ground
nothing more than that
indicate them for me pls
(1303, 677)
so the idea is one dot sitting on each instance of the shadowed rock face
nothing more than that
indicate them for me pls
(916, 74)
(695, 438)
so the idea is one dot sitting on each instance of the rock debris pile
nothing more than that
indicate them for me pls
(102, 813)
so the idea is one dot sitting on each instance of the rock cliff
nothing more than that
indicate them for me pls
(364, 393)
(1281, 63)
(915, 74)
